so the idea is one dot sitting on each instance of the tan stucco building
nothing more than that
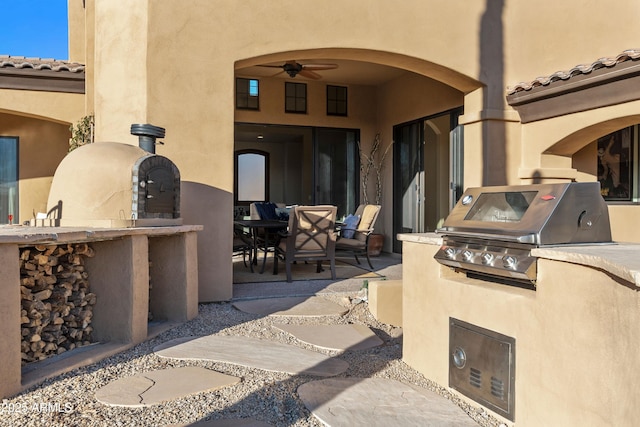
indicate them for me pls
(454, 84)
(175, 67)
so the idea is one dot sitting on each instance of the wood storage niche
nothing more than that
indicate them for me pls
(56, 301)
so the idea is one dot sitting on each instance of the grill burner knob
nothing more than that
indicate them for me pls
(509, 261)
(467, 255)
(450, 253)
(487, 258)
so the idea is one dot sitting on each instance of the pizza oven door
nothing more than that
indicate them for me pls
(158, 188)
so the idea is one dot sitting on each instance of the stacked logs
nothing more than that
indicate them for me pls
(57, 306)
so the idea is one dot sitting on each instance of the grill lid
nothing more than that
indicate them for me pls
(491, 231)
(539, 214)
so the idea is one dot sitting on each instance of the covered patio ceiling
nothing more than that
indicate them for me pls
(346, 72)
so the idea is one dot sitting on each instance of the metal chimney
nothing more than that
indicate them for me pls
(147, 135)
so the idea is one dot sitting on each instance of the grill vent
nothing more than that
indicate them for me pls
(497, 388)
(475, 377)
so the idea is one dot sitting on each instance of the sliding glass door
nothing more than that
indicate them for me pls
(426, 174)
(296, 165)
(336, 169)
(8, 180)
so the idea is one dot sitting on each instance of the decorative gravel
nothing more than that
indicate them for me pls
(69, 399)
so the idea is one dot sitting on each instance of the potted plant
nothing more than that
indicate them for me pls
(372, 163)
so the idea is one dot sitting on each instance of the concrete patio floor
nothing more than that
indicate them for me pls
(333, 399)
(386, 265)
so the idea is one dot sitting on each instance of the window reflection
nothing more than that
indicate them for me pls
(252, 176)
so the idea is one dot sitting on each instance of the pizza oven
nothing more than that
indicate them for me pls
(111, 184)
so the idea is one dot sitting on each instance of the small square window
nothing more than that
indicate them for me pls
(336, 100)
(247, 94)
(295, 97)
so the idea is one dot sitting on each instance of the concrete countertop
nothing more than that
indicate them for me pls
(619, 259)
(22, 235)
(426, 238)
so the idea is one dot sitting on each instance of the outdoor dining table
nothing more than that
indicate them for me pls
(271, 229)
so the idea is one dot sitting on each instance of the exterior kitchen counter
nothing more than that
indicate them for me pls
(618, 259)
(571, 332)
(18, 234)
(136, 274)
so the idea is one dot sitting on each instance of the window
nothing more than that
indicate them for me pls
(252, 176)
(616, 161)
(295, 97)
(247, 96)
(8, 180)
(336, 100)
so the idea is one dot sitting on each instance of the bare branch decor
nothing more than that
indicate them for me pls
(373, 163)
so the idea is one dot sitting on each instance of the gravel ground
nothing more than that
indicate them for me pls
(68, 400)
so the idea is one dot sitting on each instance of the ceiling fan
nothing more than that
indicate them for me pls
(294, 68)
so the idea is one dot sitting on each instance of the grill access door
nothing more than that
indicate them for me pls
(482, 366)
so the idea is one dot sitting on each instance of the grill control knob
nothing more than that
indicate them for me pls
(487, 258)
(450, 253)
(467, 255)
(509, 261)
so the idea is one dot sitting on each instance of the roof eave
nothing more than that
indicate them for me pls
(599, 88)
(42, 80)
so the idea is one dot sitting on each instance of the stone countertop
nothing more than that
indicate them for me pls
(426, 238)
(23, 235)
(619, 259)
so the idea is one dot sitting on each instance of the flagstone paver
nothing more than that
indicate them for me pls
(334, 337)
(380, 402)
(155, 387)
(291, 306)
(252, 352)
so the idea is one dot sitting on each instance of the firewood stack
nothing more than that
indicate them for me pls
(57, 305)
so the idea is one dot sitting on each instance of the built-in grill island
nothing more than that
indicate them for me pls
(111, 184)
(491, 231)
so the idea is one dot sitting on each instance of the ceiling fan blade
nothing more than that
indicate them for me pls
(320, 66)
(309, 74)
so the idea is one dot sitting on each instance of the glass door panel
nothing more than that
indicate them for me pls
(426, 173)
(336, 172)
(8, 180)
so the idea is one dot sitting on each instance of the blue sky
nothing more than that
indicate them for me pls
(34, 28)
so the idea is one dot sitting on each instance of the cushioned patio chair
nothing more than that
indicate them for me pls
(359, 243)
(310, 237)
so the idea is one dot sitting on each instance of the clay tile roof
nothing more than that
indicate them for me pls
(627, 55)
(20, 62)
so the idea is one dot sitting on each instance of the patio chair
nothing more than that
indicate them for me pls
(242, 244)
(311, 237)
(359, 243)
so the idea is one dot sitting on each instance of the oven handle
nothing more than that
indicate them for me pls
(530, 239)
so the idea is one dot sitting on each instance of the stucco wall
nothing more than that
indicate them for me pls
(574, 335)
(172, 64)
(41, 146)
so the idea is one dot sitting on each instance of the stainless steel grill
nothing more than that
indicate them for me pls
(491, 230)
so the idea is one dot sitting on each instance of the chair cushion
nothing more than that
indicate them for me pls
(267, 211)
(283, 213)
(350, 244)
(348, 228)
(368, 215)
